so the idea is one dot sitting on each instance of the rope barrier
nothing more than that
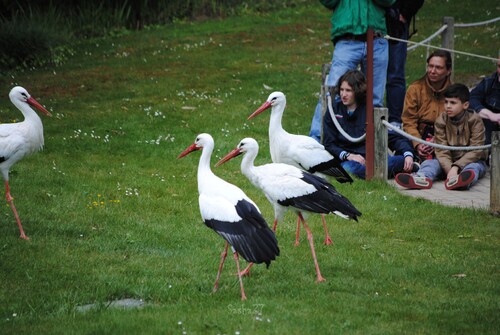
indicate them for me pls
(446, 49)
(440, 30)
(466, 25)
(339, 127)
(435, 145)
(428, 39)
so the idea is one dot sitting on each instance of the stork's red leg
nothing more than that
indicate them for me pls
(246, 272)
(328, 240)
(243, 296)
(221, 265)
(311, 243)
(297, 232)
(10, 200)
(275, 225)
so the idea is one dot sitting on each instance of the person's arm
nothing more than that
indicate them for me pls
(444, 156)
(402, 147)
(410, 116)
(477, 97)
(477, 138)
(331, 137)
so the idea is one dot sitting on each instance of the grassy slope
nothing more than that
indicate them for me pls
(112, 215)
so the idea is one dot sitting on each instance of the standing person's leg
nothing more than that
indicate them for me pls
(380, 62)
(395, 88)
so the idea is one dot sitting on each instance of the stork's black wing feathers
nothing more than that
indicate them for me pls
(325, 200)
(333, 168)
(251, 237)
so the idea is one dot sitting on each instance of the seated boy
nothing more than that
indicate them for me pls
(456, 126)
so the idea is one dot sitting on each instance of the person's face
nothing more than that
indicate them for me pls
(453, 106)
(498, 68)
(347, 94)
(436, 69)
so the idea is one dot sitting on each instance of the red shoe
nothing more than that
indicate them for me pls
(460, 182)
(413, 182)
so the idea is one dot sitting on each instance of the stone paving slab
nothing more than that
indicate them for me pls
(478, 196)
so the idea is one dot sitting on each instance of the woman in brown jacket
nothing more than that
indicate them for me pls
(424, 101)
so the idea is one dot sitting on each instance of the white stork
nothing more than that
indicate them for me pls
(20, 139)
(300, 151)
(286, 186)
(232, 214)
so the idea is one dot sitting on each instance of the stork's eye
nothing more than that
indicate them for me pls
(24, 95)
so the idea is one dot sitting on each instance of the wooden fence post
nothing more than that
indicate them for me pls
(448, 41)
(495, 174)
(380, 143)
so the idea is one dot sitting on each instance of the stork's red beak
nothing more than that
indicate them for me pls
(229, 156)
(259, 110)
(189, 149)
(38, 106)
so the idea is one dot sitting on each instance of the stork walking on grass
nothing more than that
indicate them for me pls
(20, 139)
(301, 151)
(288, 187)
(232, 214)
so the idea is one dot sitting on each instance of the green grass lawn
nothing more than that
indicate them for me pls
(113, 214)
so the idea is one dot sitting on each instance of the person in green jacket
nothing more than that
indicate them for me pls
(350, 21)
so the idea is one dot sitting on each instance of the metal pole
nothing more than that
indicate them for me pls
(370, 151)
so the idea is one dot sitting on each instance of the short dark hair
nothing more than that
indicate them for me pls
(356, 79)
(459, 91)
(444, 54)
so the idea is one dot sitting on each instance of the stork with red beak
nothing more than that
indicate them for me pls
(20, 139)
(301, 151)
(232, 214)
(288, 187)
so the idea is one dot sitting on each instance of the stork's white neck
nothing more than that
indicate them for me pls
(247, 165)
(275, 126)
(28, 112)
(204, 171)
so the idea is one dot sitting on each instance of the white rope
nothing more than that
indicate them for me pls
(444, 27)
(435, 145)
(428, 39)
(466, 25)
(339, 127)
(435, 47)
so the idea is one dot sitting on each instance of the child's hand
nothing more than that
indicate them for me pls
(408, 165)
(453, 172)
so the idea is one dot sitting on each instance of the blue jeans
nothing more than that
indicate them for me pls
(431, 169)
(396, 81)
(347, 55)
(395, 165)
